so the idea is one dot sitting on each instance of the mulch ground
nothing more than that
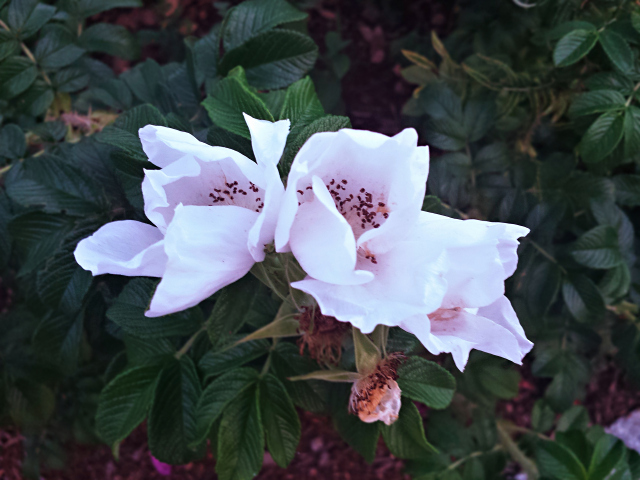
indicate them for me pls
(373, 95)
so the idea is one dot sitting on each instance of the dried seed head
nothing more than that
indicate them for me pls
(321, 335)
(377, 396)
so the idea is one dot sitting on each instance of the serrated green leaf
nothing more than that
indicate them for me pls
(26, 17)
(215, 363)
(363, 437)
(173, 420)
(12, 142)
(273, 59)
(405, 437)
(617, 49)
(241, 438)
(71, 79)
(124, 403)
(253, 17)
(608, 453)
(218, 394)
(426, 382)
(88, 8)
(602, 137)
(36, 100)
(301, 105)
(56, 48)
(16, 75)
(583, 299)
(632, 132)
(500, 382)
(128, 313)
(280, 420)
(8, 45)
(58, 338)
(576, 418)
(573, 46)
(111, 39)
(598, 101)
(556, 461)
(231, 97)
(598, 248)
(542, 416)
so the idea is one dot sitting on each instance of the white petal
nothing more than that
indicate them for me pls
(394, 169)
(207, 250)
(268, 139)
(190, 181)
(481, 255)
(165, 145)
(502, 313)
(459, 332)
(263, 231)
(125, 247)
(323, 242)
(409, 280)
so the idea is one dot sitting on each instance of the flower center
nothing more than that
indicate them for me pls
(233, 194)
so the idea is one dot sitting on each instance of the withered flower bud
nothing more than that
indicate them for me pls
(321, 335)
(377, 396)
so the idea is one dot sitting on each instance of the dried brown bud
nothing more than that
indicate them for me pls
(377, 396)
(321, 335)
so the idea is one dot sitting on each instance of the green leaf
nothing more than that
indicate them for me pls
(16, 75)
(128, 313)
(627, 189)
(12, 142)
(405, 437)
(26, 17)
(253, 17)
(231, 97)
(632, 132)
(598, 248)
(478, 118)
(124, 403)
(499, 382)
(273, 59)
(576, 418)
(569, 371)
(598, 101)
(244, 301)
(56, 49)
(218, 394)
(635, 20)
(36, 100)
(88, 8)
(617, 49)
(58, 339)
(240, 438)
(71, 79)
(573, 46)
(602, 137)
(215, 363)
(366, 353)
(426, 382)
(173, 420)
(8, 45)
(542, 416)
(280, 420)
(111, 39)
(608, 453)
(363, 437)
(301, 105)
(334, 375)
(556, 461)
(285, 326)
(583, 298)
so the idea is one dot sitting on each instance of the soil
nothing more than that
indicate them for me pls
(373, 96)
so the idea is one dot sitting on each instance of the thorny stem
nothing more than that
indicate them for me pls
(189, 343)
(28, 53)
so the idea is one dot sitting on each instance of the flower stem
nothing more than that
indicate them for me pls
(28, 53)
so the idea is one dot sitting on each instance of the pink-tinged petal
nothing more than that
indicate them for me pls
(125, 247)
(207, 250)
(165, 145)
(268, 139)
(263, 231)
(191, 181)
(392, 169)
(458, 332)
(323, 243)
(477, 253)
(502, 313)
(409, 280)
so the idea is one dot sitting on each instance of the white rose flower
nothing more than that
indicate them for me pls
(350, 216)
(213, 210)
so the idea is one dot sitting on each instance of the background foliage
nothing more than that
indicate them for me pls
(535, 116)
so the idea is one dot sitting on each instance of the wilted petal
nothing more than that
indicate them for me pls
(124, 247)
(268, 139)
(207, 250)
(323, 242)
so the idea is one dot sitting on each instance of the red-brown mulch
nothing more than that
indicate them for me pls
(322, 454)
